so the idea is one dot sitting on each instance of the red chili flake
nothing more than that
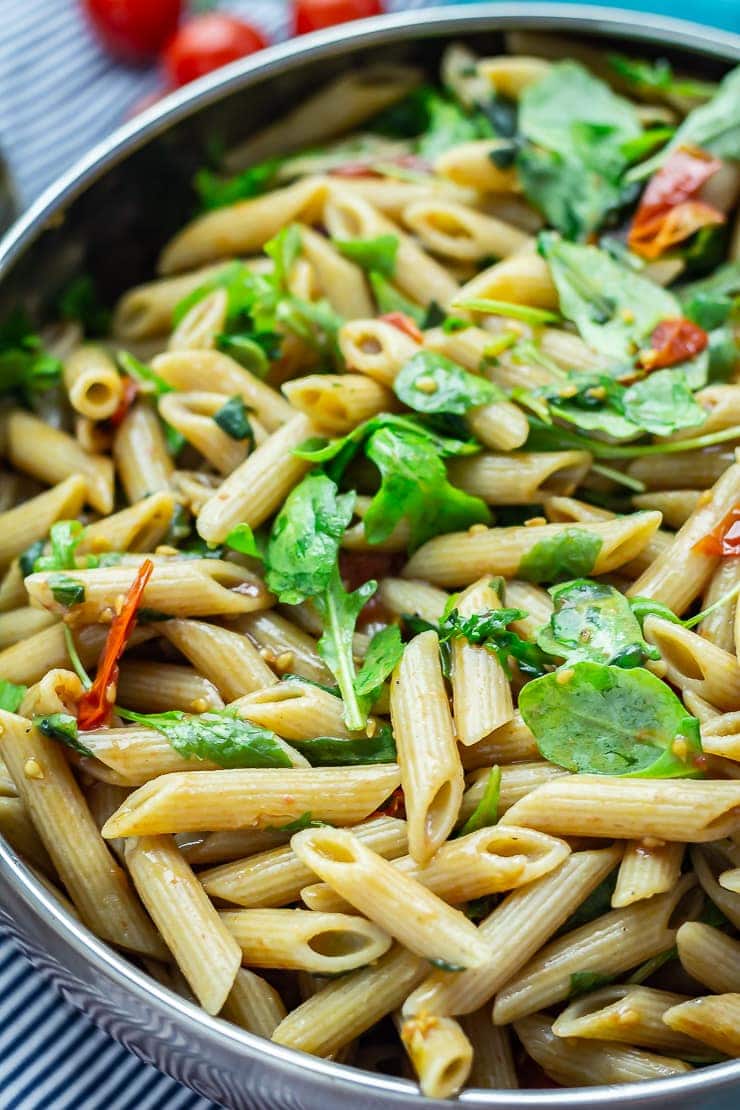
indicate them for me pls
(673, 341)
(393, 806)
(96, 703)
(669, 212)
(404, 323)
(724, 540)
(130, 393)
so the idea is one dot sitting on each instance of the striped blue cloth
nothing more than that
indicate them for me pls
(59, 94)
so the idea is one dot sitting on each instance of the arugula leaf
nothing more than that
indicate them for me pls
(11, 695)
(62, 727)
(604, 720)
(388, 299)
(65, 537)
(430, 382)
(658, 76)
(723, 282)
(80, 302)
(384, 651)
(662, 403)
(243, 540)
(332, 751)
(448, 125)
(232, 418)
(569, 553)
(339, 611)
(613, 308)
(23, 362)
(284, 248)
(583, 982)
(27, 558)
(377, 255)
(594, 621)
(414, 487)
(572, 169)
(529, 315)
(252, 351)
(219, 736)
(155, 385)
(216, 192)
(304, 542)
(486, 812)
(66, 590)
(490, 629)
(714, 127)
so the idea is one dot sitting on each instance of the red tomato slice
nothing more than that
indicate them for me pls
(668, 211)
(724, 540)
(96, 704)
(673, 341)
(130, 393)
(208, 42)
(313, 15)
(404, 323)
(134, 30)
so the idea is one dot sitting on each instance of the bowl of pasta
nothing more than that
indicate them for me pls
(369, 682)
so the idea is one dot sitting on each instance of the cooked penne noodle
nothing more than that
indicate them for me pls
(515, 930)
(227, 659)
(202, 323)
(157, 687)
(92, 381)
(719, 626)
(254, 1004)
(142, 527)
(283, 645)
(375, 348)
(696, 664)
(720, 734)
(276, 877)
(481, 695)
(693, 470)
(459, 232)
(52, 456)
(522, 278)
(563, 508)
(676, 505)
(455, 559)
(146, 310)
(192, 414)
(687, 811)
(609, 945)
(440, 1053)
(323, 943)
(533, 478)
(335, 403)
(204, 949)
(96, 884)
(221, 847)
(470, 164)
(428, 926)
(493, 1061)
(418, 598)
(576, 1064)
(431, 772)
(714, 1020)
(510, 74)
(517, 780)
(18, 624)
(632, 1015)
(296, 710)
(193, 800)
(18, 829)
(710, 861)
(647, 869)
(140, 453)
(709, 956)
(31, 521)
(342, 282)
(253, 491)
(511, 743)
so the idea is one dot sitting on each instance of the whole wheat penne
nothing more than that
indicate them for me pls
(693, 470)
(522, 278)
(515, 930)
(146, 310)
(337, 402)
(517, 780)
(676, 505)
(575, 1064)
(18, 624)
(19, 831)
(719, 626)
(431, 772)
(50, 455)
(157, 687)
(140, 453)
(98, 887)
(593, 805)
(440, 1053)
(512, 742)
(416, 597)
(647, 869)
(528, 477)
(342, 282)
(428, 926)
(283, 645)
(141, 527)
(227, 659)
(92, 381)
(375, 348)
(709, 956)
(205, 951)
(193, 415)
(470, 164)
(213, 800)
(481, 695)
(714, 1020)
(710, 861)
(455, 559)
(511, 74)
(203, 322)
(233, 844)
(31, 521)
(696, 664)
(296, 710)
(323, 943)
(457, 231)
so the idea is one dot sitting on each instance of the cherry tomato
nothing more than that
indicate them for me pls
(403, 323)
(313, 15)
(724, 540)
(134, 30)
(208, 42)
(673, 341)
(669, 211)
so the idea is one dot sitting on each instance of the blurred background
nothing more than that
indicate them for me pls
(73, 70)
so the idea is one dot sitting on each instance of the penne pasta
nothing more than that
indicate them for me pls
(322, 943)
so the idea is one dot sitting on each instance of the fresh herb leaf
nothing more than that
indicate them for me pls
(572, 165)
(714, 127)
(662, 403)
(65, 537)
(388, 299)
(24, 364)
(339, 611)
(243, 540)
(155, 385)
(216, 192)
(486, 812)
(284, 249)
(594, 621)
(305, 821)
(232, 418)
(74, 657)
(614, 308)
(383, 653)
(583, 982)
(27, 558)
(568, 553)
(491, 630)
(377, 255)
(658, 76)
(66, 590)
(11, 695)
(332, 751)
(430, 382)
(219, 736)
(80, 302)
(448, 124)
(604, 720)
(254, 352)
(62, 727)
(529, 315)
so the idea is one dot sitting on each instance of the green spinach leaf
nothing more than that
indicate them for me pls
(568, 553)
(80, 302)
(658, 76)
(66, 590)
(232, 418)
(430, 382)
(388, 299)
(11, 695)
(594, 621)
(376, 255)
(216, 192)
(220, 737)
(332, 751)
(486, 812)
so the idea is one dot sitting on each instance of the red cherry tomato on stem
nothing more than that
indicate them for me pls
(313, 15)
(208, 42)
(133, 30)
